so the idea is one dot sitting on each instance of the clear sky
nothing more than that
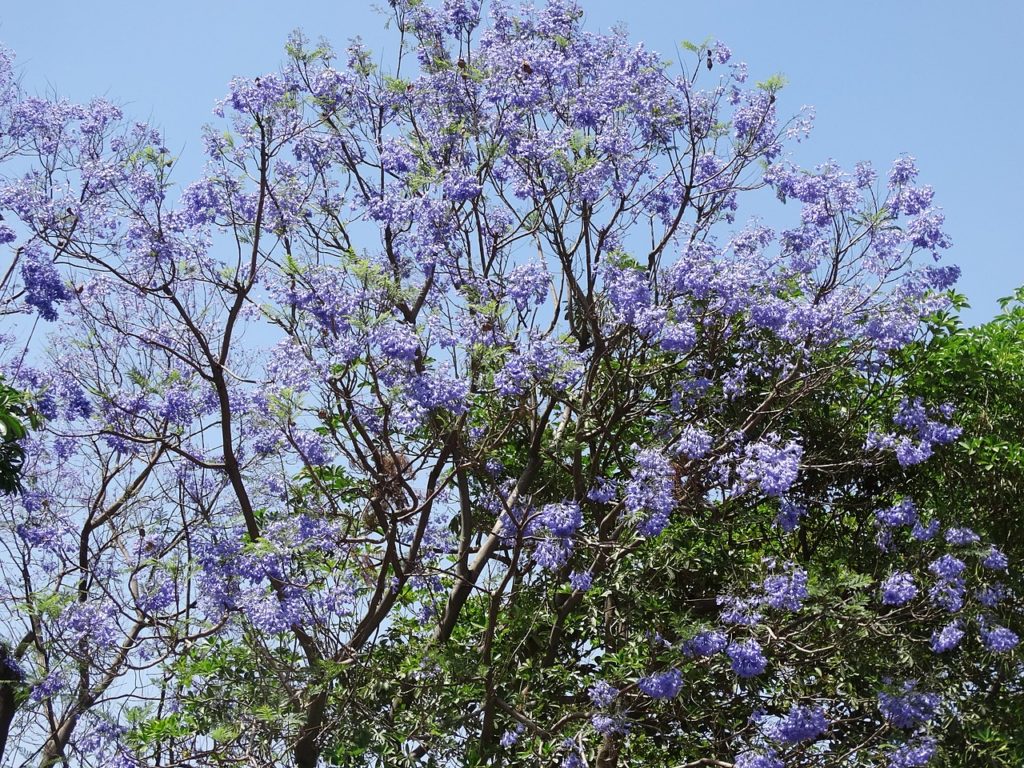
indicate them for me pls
(938, 79)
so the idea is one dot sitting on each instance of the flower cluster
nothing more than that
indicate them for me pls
(44, 286)
(948, 637)
(770, 465)
(999, 639)
(800, 724)
(602, 694)
(926, 432)
(909, 708)
(913, 754)
(898, 589)
(630, 297)
(747, 658)
(705, 644)
(665, 685)
(948, 589)
(786, 591)
(650, 492)
(554, 527)
(528, 284)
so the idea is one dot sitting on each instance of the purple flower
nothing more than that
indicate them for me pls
(95, 622)
(11, 669)
(739, 611)
(572, 758)
(602, 491)
(203, 201)
(554, 527)
(999, 639)
(912, 200)
(898, 589)
(460, 187)
(902, 514)
(581, 581)
(948, 589)
(664, 686)
(177, 407)
(948, 594)
(864, 175)
(551, 554)
(789, 516)
(103, 741)
(962, 537)
(157, 595)
(747, 658)
(925, 232)
(396, 157)
(770, 465)
(562, 520)
(910, 708)
(514, 377)
(314, 448)
(602, 694)
(462, 15)
(43, 284)
(526, 284)
(947, 568)
(909, 453)
(924, 532)
(398, 341)
(49, 538)
(786, 591)
(705, 644)
(433, 391)
(650, 492)
(801, 724)
(629, 294)
(50, 685)
(608, 725)
(258, 95)
(990, 596)
(913, 754)
(929, 432)
(903, 171)
(511, 737)
(947, 638)
(543, 361)
(995, 560)
(694, 442)
(678, 337)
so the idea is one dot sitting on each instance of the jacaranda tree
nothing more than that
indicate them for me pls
(461, 414)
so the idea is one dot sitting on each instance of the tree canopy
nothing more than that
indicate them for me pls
(520, 404)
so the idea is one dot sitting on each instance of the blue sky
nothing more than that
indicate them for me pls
(939, 80)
